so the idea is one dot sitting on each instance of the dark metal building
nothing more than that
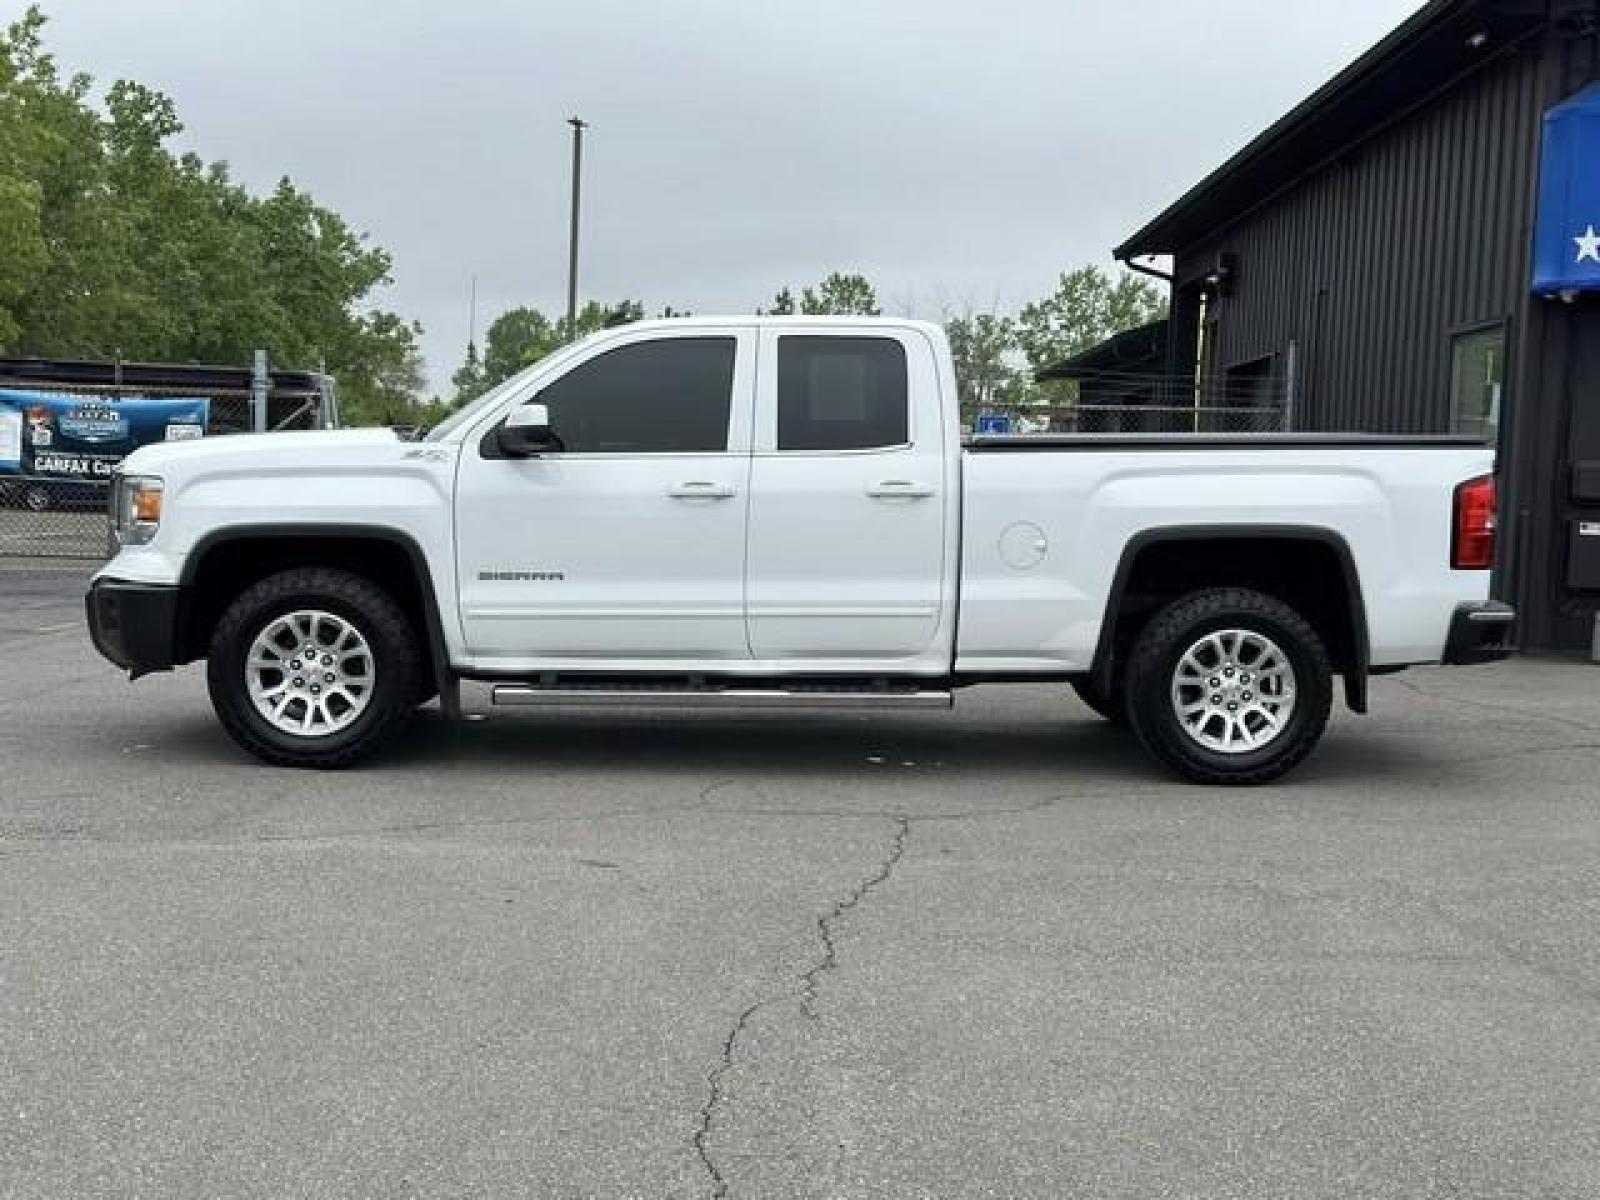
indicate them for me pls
(1368, 261)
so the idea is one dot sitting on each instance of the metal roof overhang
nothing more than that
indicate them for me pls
(1125, 351)
(1437, 46)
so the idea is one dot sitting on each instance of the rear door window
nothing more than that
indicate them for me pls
(842, 393)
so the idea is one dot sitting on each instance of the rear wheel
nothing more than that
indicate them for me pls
(313, 668)
(1229, 687)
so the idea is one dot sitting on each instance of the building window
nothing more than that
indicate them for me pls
(1477, 381)
(1250, 400)
(1251, 384)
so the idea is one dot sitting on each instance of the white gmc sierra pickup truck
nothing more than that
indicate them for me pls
(761, 511)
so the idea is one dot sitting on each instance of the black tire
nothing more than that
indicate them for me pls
(396, 670)
(1112, 708)
(1159, 651)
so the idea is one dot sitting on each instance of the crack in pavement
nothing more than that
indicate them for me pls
(825, 924)
(806, 992)
(717, 1094)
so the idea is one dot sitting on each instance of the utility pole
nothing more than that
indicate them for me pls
(260, 392)
(578, 127)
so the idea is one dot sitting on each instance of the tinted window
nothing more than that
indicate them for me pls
(662, 397)
(841, 393)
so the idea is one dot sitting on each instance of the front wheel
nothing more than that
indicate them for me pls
(1229, 687)
(313, 668)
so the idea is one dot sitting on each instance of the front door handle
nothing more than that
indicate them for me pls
(702, 489)
(900, 489)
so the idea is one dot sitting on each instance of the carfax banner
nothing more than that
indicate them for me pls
(61, 436)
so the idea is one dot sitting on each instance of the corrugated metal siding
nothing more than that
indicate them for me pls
(1371, 264)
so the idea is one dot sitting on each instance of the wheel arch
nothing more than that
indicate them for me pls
(1150, 572)
(227, 560)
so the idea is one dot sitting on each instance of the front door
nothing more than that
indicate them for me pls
(851, 490)
(627, 545)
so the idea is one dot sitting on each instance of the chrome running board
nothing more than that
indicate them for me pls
(518, 695)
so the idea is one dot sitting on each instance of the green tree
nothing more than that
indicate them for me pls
(469, 382)
(382, 377)
(1088, 306)
(517, 337)
(841, 295)
(27, 78)
(838, 295)
(111, 244)
(520, 337)
(986, 352)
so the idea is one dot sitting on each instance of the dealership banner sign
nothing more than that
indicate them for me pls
(62, 436)
(1566, 253)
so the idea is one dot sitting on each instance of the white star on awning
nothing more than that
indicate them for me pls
(1588, 245)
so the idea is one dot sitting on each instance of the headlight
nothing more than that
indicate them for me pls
(135, 508)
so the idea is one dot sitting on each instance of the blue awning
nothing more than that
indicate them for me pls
(1566, 248)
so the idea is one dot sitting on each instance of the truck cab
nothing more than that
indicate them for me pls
(770, 498)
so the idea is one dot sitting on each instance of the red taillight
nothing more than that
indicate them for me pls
(1472, 544)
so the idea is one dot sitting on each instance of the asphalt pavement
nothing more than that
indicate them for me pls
(994, 953)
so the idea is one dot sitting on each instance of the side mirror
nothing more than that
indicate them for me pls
(526, 432)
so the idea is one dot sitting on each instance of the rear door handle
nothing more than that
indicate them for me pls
(900, 489)
(702, 489)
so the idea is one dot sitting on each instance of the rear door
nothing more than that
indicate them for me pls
(851, 492)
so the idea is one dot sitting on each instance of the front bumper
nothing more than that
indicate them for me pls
(1480, 633)
(135, 625)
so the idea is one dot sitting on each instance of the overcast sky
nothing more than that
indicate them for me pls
(958, 152)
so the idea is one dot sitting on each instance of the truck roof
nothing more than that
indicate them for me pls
(778, 322)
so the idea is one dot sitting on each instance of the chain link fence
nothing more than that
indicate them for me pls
(1112, 402)
(1138, 418)
(46, 515)
(1175, 419)
(42, 517)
